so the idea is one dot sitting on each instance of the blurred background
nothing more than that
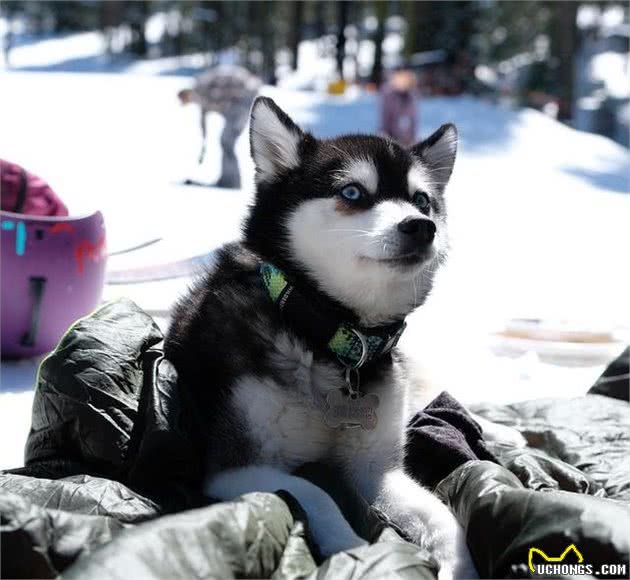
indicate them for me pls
(568, 59)
(533, 301)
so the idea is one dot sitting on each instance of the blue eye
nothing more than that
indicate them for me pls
(421, 200)
(351, 193)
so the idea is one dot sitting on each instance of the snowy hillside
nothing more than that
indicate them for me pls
(538, 211)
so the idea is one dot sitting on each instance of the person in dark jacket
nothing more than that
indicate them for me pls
(229, 91)
(398, 107)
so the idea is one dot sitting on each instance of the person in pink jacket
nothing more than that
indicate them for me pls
(24, 192)
(399, 118)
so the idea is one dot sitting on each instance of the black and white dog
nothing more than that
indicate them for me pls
(288, 344)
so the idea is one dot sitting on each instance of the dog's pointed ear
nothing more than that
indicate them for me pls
(274, 139)
(437, 153)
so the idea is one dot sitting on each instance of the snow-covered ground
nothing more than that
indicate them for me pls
(539, 214)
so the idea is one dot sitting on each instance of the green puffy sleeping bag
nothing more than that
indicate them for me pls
(111, 486)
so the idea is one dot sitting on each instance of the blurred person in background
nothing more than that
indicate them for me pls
(399, 119)
(8, 11)
(229, 91)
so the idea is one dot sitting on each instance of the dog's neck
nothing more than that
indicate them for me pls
(312, 290)
(378, 301)
(314, 317)
(389, 301)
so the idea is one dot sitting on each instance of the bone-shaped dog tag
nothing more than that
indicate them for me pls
(357, 410)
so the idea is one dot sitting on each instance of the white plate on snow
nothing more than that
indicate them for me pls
(558, 342)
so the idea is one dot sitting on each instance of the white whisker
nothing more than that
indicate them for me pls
(349, 230)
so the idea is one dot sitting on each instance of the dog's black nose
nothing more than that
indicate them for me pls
(420, 229)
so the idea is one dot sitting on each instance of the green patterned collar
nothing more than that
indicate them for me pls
(353, 346)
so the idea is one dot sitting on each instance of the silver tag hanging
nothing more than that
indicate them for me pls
(351, 410)
(348, 407)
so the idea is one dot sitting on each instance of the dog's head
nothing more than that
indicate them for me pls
(358, 216)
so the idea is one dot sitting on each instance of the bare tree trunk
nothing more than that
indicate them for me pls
(342, 21)
(268, 48)
(247, 38)
(295, 32)
(380, 7)
(412, 30)
(138, 14)
(206, 15)
(320, 24)
(424, 26)
(563, 48)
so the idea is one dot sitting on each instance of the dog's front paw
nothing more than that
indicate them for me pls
(460, 571)
(455, 563)
(449, 551)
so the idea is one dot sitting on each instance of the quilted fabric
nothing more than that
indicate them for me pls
(111, 487)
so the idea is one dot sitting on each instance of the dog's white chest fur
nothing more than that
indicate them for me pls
(284, 415)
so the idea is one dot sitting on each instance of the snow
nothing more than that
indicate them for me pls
(58, 53)
(612, 70)
(539, 212)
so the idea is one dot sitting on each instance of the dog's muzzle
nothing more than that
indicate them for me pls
(417, 231)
